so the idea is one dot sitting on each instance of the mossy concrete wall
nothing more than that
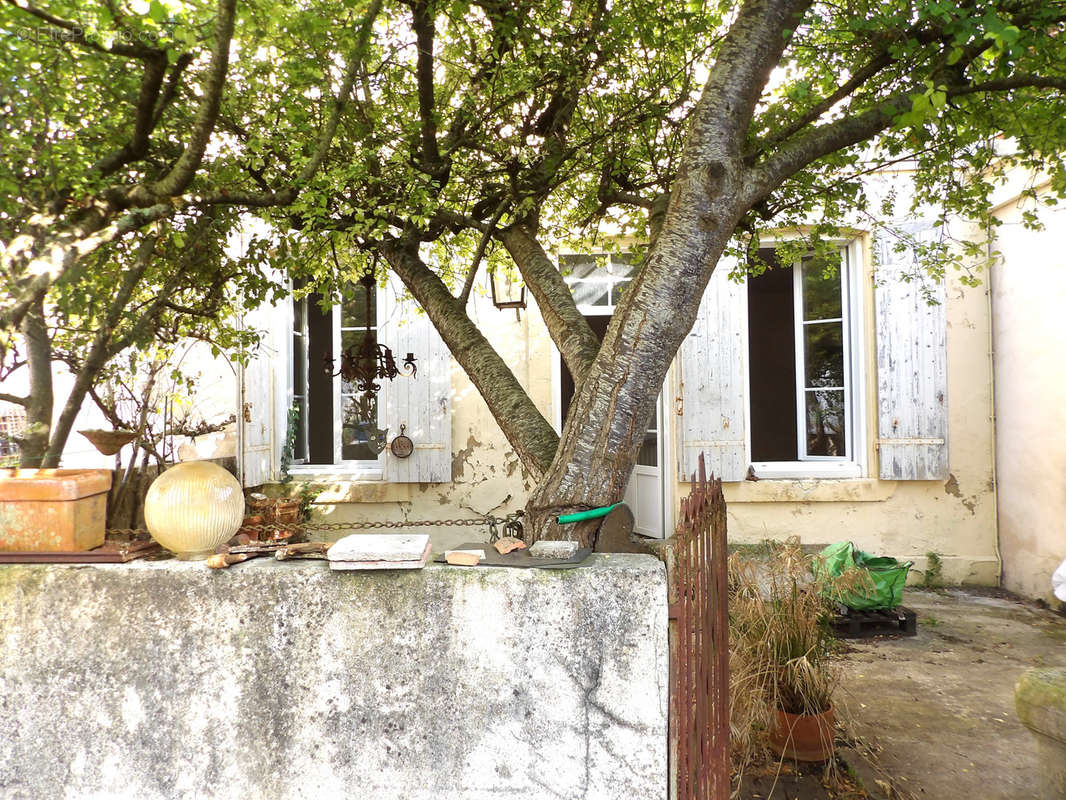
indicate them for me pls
(285, 680)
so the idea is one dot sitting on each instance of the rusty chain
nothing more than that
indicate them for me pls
(511, 524)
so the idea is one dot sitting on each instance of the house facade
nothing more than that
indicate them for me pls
(844, 404)
(838, 404)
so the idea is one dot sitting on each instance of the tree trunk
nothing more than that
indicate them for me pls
(34, 443)
(611, 410)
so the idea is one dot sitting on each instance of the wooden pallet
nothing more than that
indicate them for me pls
(853, 624)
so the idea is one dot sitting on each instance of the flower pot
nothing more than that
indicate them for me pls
(53, 509)
(109, 442)
(193, 507)
(803, 737)
(286, 512)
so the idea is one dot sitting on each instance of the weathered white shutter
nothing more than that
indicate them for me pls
(261, 408)
(711, 382)
(421, 405)
(912, 412)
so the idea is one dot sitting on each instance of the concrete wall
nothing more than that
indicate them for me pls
(1029, 302)
(285, 680)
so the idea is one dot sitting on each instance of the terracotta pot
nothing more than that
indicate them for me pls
(193, 507)
(53, 509)
(286, 512)
(803, 737)
(109, 442)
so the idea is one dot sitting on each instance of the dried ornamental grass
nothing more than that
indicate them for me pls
(782, 651)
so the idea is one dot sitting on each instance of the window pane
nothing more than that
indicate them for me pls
(649, 450)
(353, 340)
(299, 449)
(622, 265)
(299, 365)
(823, 353)
(583, 265)
(825, 423)
(587, 293)
(353, 309)
(821, 293)
(359, 430)
(299, 308)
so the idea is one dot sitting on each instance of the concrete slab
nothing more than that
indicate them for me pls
(938, 708)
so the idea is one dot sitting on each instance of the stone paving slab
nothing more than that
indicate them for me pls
(938, 708)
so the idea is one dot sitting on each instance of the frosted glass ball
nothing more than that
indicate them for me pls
(194, 507)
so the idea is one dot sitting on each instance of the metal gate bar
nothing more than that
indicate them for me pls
(699, 663)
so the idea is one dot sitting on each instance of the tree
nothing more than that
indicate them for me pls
(459, 133)
(154, 291)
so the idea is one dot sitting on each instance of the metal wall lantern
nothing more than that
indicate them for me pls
(507, 292)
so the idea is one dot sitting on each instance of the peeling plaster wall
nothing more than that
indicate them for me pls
(283, 680)
(953, 518)
(1029, 296)
(487, 476)
(907, 519)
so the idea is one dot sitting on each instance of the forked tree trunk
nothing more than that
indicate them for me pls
(611, 410)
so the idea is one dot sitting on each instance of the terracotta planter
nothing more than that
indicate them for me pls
(803, 737)
(286, 512)
(53, 509)
(109, 442)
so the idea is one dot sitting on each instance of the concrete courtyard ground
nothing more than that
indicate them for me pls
(936, 710)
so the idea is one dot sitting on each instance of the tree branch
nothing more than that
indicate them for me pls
(526, 429)
(425, 32)
(10, 398)
(287, 195)
(182, 173)
(468, 285)
(75, 33)
(60, 254)
(570, 331)
(144, 119)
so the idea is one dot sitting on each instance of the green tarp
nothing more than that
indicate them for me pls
(886, 575)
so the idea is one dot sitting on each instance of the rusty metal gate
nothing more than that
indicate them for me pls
(699, 657)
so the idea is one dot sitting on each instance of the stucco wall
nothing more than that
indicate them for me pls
(1029, 302)
(487, 476)
(286, 680)
(907, 519)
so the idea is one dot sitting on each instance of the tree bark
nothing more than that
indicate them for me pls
(527, 430)
(34, 443)
(712, 192)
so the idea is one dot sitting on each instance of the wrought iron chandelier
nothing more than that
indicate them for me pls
(371, 361)
(364, 366)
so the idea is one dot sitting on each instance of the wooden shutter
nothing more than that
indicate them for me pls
(261, 417)
(711, 382)
(912, 411)
(422, 404)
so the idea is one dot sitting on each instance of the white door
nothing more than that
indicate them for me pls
(644, 494)
(646, 489)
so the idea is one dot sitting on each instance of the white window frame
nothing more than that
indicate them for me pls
(854, 464)
(352, 469)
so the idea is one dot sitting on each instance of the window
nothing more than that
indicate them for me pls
(803, 366)
(336, 424)
(596, 280)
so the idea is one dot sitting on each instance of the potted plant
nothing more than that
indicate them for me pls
(783, 652)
